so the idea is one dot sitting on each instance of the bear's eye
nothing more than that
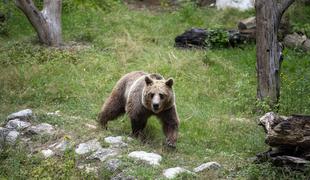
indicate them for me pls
(162, 96)
(152, 95)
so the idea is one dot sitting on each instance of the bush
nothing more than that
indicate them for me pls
(4, 16)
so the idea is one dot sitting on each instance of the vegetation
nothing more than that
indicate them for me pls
(215, 89)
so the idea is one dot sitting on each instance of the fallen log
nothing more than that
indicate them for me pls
(288, 138)
(248, 23)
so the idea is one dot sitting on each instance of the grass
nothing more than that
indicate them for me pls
(215, 90)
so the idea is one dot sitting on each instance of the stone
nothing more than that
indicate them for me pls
(173, 172)
(56, 113)
(87, 147)
(12, 137)
(150, 158)
(17, 124)
(306, 45)
(3, 133)
(47, 153)
(113, 164)
(61, 146)
(90, 126)
(89, 168)
(115, 141)
(103, 153)
(23, 114)
(294, 40)
(41, 129)
(207, 166)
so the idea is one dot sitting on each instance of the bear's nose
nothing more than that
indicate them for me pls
(156, 106)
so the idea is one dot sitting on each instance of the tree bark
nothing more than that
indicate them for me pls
(47, 22)
(268, 51)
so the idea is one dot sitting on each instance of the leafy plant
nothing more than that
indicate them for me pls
(217, 38)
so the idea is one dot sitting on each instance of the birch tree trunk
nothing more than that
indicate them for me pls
(47, 22)
(268, 51)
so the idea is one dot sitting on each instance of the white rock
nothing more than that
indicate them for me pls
(207, 166)
(150, 158)
(17, 124)
(26, 113)
(113, 164)
(90, 126)
(61, 146)
(40, 129)
(12, 137)
(56, 113)
(103, 153)
(4, 132)
(88, 168)
(173, 172)
(115, 141)
(238, 4)
(47, 153)
(87, 147)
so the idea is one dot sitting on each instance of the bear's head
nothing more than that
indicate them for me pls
(158, 94)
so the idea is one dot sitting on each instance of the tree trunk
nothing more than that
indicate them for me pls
(47, 22)
(268, 51)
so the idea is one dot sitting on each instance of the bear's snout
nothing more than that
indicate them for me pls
(155, 106)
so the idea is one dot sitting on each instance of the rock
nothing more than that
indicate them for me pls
(113, 164)
(17, 124)
(41, 129)
(150, 158)
(306, 45)
(115, 141)
(294, 40)
(56, 113)
(207, 166)
(24, 114)
(61, 146)
(12, 137)
(122, 176)
(87, 147)
(3, 133)
(238, 4)
(90, 126)
(88, 168)
(173, 172)
(47, 153)
(103, 153)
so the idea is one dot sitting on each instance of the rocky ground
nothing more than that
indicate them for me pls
(20, 129)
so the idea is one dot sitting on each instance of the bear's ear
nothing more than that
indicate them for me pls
(148, 80)
(169, 82)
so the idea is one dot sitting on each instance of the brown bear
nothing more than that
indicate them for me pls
(141, 95)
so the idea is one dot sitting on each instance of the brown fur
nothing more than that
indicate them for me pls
(137, 93)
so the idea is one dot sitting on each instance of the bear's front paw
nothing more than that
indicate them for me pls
(170, 144)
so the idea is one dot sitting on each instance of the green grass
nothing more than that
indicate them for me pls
(215, 89)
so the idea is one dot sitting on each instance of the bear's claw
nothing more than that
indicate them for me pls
(170, 144)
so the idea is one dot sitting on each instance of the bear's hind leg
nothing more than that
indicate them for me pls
(112, 108)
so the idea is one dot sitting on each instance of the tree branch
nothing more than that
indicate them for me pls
(30, 10)
(283, 5)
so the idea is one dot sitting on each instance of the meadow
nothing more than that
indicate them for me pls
(215, 90)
